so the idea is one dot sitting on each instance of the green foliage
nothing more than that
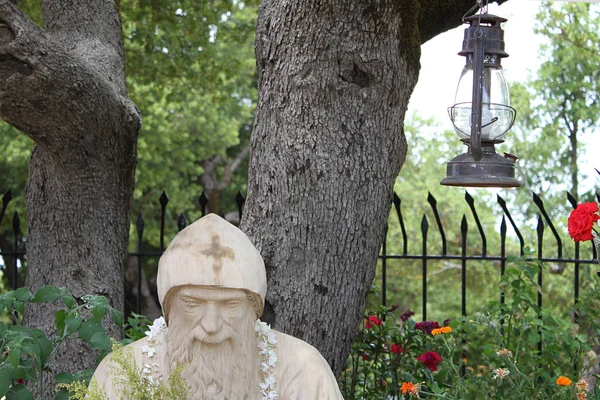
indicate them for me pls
(560, 105)
(135, 385)
(494, 353)
(26, 353)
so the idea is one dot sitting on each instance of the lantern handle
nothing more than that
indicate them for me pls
(476, 106)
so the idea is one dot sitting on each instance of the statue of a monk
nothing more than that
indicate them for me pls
(211, 286)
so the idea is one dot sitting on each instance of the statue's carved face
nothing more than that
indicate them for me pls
(212, 315)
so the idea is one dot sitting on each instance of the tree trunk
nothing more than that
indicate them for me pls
(65, 87)
(335, 78)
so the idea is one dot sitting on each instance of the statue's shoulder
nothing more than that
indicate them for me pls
(302, 372)
(293, 352)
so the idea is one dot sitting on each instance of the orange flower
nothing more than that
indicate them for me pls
(407, 387)
(563, 381)
(443, 329)
(410, 388)
(581, 396)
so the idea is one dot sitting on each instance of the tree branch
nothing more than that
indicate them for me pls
(231, 167)
(53, 95)
(438, 16)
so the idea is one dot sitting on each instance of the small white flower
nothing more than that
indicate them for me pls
(266, 345)
(149, 350)
(157, 326)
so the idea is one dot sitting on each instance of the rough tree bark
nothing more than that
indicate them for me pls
(64, 86)
(335, 78)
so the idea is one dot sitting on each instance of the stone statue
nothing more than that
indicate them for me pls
(211, 286)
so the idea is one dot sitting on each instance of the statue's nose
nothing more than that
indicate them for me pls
(211, 320)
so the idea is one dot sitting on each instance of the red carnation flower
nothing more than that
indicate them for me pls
(431, 359)
(372, 321)
(396, 349)
(581, 221)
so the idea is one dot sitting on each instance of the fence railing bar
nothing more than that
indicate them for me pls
(164, 199)
(203, 201)
(424, 230)
(502, 267)
(433, 202)
(463, 273)
(512, 223)
(398, 207)
(16, 225)
(540, 204)
(479, 258)
(471, 202)
(240, 200)
(384, 268)
(139, 224)
(576, 285)
(5, 200)
(540, 252)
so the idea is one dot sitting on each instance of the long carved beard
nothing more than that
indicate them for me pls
(223, 371)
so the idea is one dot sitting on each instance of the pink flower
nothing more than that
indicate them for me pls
(373, 321)
(431, 359)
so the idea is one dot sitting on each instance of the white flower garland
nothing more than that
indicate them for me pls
(266, 350)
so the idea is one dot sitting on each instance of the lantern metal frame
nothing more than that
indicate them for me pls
(481, 166)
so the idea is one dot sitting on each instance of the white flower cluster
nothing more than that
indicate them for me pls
(268, 358)
(157, 326)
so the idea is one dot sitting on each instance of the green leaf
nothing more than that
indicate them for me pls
(100, 341)
(46, 294)
(45, 348)
(64, 377)
(62, 395)
(7, 374)
(19, 392)
(68, 300)
(19, 307)
(59, 320)
(89, 328)
(72, 323)
(117, 317)
(14, 356)
(22, 294)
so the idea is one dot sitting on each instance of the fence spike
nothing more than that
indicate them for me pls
(464, 226)
(433, 202)
(139, 224)
(502, 203)
(181, 222)
(163, 199)
(471, 202)
(398, 207)
(203, 200)
(572, 200)
(540, 235)
(540, 204)
(16, 223)
(424, 225)
(240, 200)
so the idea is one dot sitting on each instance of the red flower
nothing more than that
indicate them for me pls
(396, 349)
(20, 381)
(431, 359)
(366, 357)
(372, 321)
(581, 221)
(427, 326)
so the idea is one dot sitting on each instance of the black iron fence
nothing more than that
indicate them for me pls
(13, 245)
